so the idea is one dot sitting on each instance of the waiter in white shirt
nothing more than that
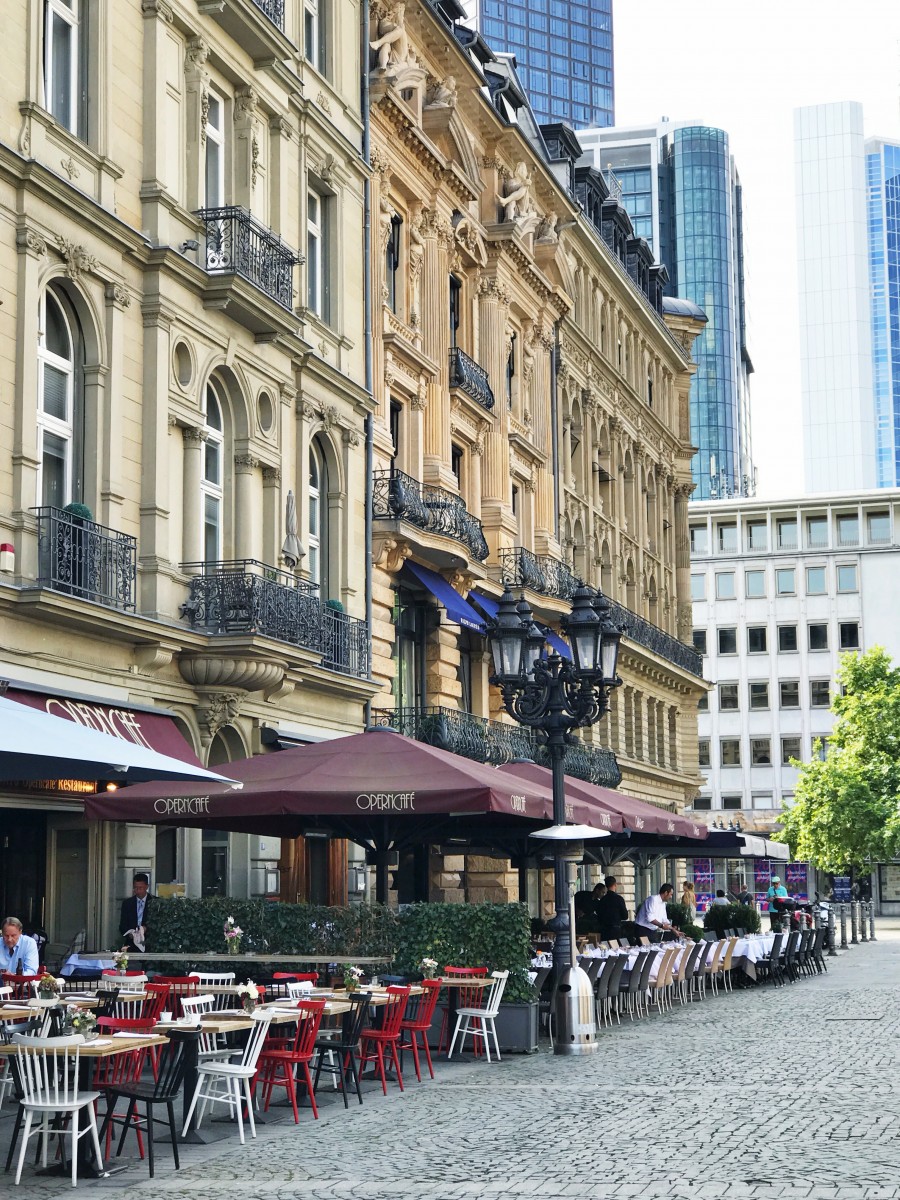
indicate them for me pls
(652, 915)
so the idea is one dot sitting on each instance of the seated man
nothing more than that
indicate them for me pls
(652, 919)
(18, 952)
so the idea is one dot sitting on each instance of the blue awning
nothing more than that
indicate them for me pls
(558, 644)
(491, 608)
(458, 610)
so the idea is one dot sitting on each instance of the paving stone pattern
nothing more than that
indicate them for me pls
(765, 1093)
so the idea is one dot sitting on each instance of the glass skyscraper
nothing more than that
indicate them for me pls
(883, 219)
(679, 185)
(564, 54)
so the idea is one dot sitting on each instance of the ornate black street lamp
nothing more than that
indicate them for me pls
(554, 695)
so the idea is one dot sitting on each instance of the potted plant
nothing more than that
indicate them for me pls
(120, 958)
(249, 994)
(428, 967)
(233, 934)
(84, 1022)
(719, 917)
(48, 988)
(517, 1020)
(352, 977)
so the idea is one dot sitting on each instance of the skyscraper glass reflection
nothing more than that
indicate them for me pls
(564, 53)
(883, 214)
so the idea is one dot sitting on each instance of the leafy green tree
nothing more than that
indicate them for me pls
(845, 812)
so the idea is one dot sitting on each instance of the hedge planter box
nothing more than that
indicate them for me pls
(517, 1028)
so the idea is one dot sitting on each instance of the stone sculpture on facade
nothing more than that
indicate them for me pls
(517, 202)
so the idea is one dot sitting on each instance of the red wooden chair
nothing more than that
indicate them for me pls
(121, 1068)
(125, 973)
(297, 977)
(277, 1068)
(374, 1041)
(419, 1022)
(459, 998)
(179, 985)
(20, 984)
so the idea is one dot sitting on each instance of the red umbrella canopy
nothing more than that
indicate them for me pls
(632, 814)
(378, 773)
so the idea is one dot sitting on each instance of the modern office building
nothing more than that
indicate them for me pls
(781, 590)
(679, 184)
(848, 255)
(564, 52)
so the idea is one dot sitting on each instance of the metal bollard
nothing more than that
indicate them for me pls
(854, 922)
(872, 937)
(843, 926)
(863, 921)
(832, 953)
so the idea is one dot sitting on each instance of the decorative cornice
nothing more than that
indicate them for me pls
(77, 259)
(31, 243)
(116, 294)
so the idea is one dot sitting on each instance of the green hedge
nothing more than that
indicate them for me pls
(720, 917)
(497, 936)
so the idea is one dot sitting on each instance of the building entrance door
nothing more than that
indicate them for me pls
(23, 864)
(69, 908)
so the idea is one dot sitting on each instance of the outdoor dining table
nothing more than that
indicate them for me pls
(101, 1047)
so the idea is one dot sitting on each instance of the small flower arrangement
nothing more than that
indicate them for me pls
(84, 1022)
(233, 934)
(48, 987)
(428, 967)
(249, 994)
(120, 958)
(352, 977)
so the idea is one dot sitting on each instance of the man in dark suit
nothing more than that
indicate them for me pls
(611, 910)
(133, 917)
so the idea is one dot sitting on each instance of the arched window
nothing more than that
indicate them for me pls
(60, 402)
(316, 533)
(212, 486)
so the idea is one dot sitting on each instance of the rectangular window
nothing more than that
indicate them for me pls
(846, 577)
(757, 535)
(699, 539)
(816, 532)
(215, 152)
(314, 33)
(703, 703)
(698, 587)
(392, 262)
(762, 800)
(848, 529)
(731, 802)
(820, 693)
(761, 752)
(702, 804)
(787, 638)
(879, 528)
(849, 635)
(754, 583)
(727, 539)
(787, 535)
(511, 370)
(699, 639)
(815, 581)
(785, 584)
(725, 585)
(790, 748)
(820, 747)
(730, 752)
(728, 697)
(789, 691)
(455, 308)
(759, 695)
(703, 752)
(65, 73)
(317, 256)
(818, 637)
(757, 640)
(728, 641)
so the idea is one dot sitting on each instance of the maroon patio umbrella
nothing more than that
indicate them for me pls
(636, 815)
(364, 778)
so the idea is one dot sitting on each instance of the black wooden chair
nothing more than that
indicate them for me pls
(342, 1046)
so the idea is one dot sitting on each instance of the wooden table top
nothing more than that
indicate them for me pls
(105, 1047)
(466, 981)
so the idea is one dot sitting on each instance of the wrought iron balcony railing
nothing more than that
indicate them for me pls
(274, 10)
(540, 572)
(236, 243)
(345, 643)
(396, 497)
(471, 378)
(81, 558)
(645, 633)
(494, 742)
(243, 596)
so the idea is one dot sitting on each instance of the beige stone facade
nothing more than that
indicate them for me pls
(179, 375)
(532, 414)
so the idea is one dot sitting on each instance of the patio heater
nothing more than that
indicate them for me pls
(553, 696)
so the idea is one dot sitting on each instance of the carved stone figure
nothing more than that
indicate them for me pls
(517, 202)
(392, 43)
(442, 93)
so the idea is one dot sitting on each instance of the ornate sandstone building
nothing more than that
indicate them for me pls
(531, 424)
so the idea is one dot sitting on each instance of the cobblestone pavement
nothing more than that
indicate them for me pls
(764, 1093)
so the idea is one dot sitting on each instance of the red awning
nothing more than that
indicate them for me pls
(637, 815)
(152, 730)
(366, 775)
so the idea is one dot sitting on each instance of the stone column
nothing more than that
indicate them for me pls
(684, 609)
(154, 544)
(192, 549)
(32, 248)
(437, 234)
(112, 494)
(196, 80)
(273, 532)
(247, 149)
(245, 506)
(496, 505)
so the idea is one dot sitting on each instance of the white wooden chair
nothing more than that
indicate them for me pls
(229, 1083)
(193, 1007)
(485, 1018)
(48, 1069)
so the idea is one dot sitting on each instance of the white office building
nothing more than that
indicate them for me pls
(781, 589)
